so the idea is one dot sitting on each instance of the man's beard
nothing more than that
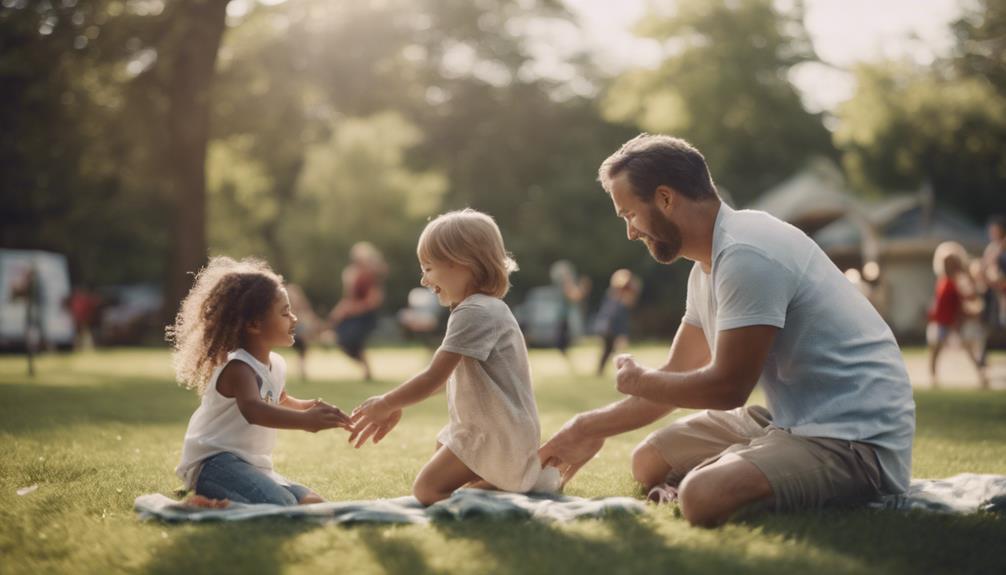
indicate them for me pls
(665, 243)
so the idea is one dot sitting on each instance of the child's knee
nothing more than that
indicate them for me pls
(426, 494)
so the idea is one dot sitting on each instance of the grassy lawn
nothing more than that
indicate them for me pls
(96, 430)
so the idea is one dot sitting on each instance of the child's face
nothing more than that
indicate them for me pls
(276, 328)
(451, 282)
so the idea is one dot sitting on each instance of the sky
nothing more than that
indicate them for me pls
(843, 32)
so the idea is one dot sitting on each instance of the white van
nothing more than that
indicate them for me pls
(56, 324)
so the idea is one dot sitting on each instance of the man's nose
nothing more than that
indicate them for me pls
(631, 232)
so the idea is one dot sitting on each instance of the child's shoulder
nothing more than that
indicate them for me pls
(483, 305)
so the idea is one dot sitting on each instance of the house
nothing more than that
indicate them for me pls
(889, 243)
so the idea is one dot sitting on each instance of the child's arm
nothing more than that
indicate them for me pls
(374, 415)
(292, 402)
(238, 381)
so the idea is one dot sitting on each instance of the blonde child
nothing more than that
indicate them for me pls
(233, 317)
(953, 301)
(492, 439)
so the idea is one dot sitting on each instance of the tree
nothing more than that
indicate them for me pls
(907, 126)
(723, 85)
(188, 55)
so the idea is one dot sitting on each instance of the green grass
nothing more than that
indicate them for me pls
(96, 430)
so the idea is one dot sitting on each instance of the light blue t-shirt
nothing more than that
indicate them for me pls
(835, 369)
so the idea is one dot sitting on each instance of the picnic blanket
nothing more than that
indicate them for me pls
(464, 504)
(963, 493)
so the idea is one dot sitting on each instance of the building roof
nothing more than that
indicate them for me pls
(811, 198)
(903, 220)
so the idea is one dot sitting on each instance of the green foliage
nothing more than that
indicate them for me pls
(723, 85)
(907, 126)
(356, 187)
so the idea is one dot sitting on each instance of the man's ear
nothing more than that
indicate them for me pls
(665, 198)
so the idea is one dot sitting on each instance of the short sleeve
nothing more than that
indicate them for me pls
(691, 316)
(751, 289)
(471, 331)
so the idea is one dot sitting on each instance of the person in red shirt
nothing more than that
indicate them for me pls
(354, 317)
(954, 293)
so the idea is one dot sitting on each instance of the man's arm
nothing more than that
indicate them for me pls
(583, 436)
(689, 352)
(725, 383)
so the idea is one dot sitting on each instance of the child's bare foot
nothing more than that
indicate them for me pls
(203, 501)
(311, 498)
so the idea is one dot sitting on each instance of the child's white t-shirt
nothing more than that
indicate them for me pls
(493, 427)
(218, 425)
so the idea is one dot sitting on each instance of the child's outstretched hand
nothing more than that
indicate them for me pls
(323, 415)
(374, 417)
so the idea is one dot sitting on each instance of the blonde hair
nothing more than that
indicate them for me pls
(225, 297)
(945, 250)
(471, 239)
(367, 254)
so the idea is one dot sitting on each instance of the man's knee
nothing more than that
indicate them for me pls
(710, 496)
(649, 466)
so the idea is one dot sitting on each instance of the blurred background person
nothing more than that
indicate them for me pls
(612, 320)
(84, 305)
(573, 292)
(308, 324)
(954, 298)
(354, 317)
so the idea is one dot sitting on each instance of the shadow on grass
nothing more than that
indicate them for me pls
(396, 556)
(623, 544)
(132, 400)
(899, 542)
(243, 547)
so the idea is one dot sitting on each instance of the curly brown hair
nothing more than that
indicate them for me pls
(225, 297)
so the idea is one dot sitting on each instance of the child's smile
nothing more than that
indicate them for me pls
(450, 282)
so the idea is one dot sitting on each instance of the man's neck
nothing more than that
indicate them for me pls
(697, 233)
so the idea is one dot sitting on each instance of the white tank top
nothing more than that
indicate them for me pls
(218, 426)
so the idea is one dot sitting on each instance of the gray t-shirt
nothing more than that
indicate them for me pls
(493, 427)
(835, 369)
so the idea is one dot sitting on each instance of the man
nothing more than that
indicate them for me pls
(764, 305)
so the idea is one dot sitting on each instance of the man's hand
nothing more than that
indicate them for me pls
(569, 450)
(375, 417)
(628, 378)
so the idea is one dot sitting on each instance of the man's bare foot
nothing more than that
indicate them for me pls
(663, 493)
(202, 501)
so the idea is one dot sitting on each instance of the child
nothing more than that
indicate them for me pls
(612, 321)
(223, 336)
(492, 439)
(954, 295)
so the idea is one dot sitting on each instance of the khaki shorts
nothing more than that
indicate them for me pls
(804, 472)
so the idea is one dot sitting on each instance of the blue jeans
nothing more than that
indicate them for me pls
(227, 476)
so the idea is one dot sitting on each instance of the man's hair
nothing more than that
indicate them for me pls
(998, 220)
(652, 160)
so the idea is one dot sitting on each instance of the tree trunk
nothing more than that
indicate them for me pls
(197, 30)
